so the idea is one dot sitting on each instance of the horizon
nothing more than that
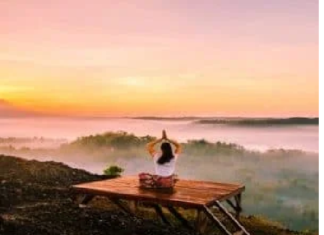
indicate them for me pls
(7, 110)
(177, 59)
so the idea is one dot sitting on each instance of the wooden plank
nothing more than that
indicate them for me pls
(207, 186)
(231, 194)
(109, 183)
(181, 194)
(195, 188)
(181, 183)
(122, 193)
(187, 193)
(184, 181)
(163, 201)
(133, 180)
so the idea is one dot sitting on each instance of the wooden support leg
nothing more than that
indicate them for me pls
(229, 202)
(176, 214)
(201, 222)
(122, 206)
(133, 205)
(159, 212)
(237, 206)
(238, 200)
(86, 199)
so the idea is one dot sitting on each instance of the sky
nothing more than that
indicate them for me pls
(160, 58)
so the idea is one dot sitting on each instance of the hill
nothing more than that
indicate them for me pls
(281, 184)
(35, 199)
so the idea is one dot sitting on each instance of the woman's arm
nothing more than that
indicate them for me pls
(150, 146)
(177, 146)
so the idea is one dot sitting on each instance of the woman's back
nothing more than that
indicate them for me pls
(164, 164)
(165, 169)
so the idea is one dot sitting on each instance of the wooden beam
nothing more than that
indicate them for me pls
(238, 200)
(133, 206)
(122, 206)
(176, 214)
(159, 212)
(237, 224)
(86, 199)
(201, 222)
(218, 223)
(237, 206)
(229, 202)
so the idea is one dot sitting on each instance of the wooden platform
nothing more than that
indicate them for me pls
(200, 195)
(187, 193)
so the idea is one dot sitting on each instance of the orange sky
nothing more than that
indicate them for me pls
(251, 58)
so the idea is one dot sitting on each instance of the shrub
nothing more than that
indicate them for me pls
(114, 171)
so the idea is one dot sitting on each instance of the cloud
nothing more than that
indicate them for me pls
(8, 110)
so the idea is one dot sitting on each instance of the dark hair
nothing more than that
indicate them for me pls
(167, 154)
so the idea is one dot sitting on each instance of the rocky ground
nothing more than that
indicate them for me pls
(35, 199)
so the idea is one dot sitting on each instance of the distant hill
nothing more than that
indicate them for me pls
(154, 118)
(263, 121)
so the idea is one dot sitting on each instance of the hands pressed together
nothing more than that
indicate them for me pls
(150, 146)
(164, 135)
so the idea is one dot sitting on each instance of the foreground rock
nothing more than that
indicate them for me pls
(35, 199)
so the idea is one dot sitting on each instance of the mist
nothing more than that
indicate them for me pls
(258, 138)
(278, 165)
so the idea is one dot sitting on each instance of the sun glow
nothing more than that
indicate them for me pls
(132, 81)
(125, 64)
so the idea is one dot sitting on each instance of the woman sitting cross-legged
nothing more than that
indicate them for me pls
(164, 163)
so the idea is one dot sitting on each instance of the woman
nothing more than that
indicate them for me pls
(164, 164)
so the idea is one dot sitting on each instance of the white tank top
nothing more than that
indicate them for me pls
(165, 169)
